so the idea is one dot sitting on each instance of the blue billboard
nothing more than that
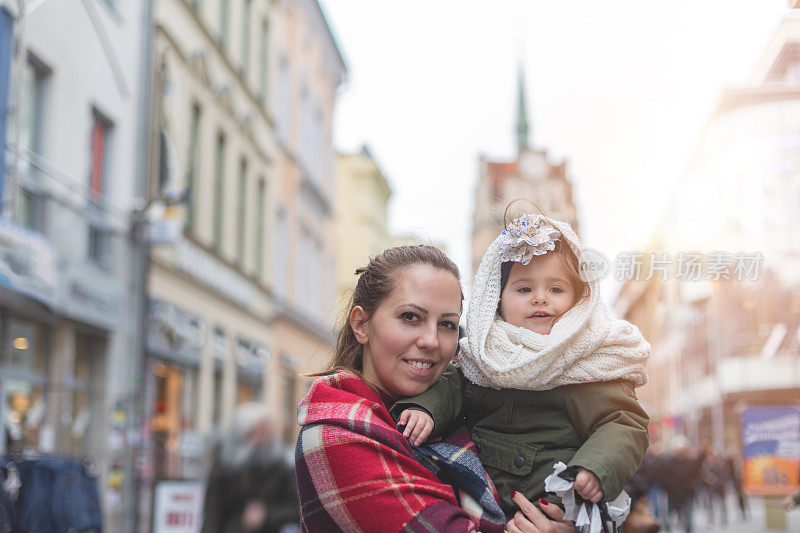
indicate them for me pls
(771, 449)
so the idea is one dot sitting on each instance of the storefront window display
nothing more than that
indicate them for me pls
(22, 388)
(23, 403)
(174, 413)
(175, 340)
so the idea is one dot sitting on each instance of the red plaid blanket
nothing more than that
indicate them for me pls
(356, 471)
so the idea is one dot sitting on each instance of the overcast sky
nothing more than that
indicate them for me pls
(619, 89)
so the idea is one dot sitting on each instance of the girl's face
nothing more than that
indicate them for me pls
(537, 294)
(413, 334)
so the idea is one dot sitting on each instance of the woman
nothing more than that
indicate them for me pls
(355, 470)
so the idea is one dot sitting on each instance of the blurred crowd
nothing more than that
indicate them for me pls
(671, 485)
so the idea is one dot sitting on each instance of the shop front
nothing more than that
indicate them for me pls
(175, 340)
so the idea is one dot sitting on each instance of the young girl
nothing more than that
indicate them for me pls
(545, 373)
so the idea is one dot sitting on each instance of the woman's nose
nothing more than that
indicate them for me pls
(429, 338)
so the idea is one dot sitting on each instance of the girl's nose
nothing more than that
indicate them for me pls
(540, 297)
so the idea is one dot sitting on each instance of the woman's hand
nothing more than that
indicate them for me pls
(533, 521)
(419, 425)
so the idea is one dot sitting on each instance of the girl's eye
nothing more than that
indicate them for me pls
(408, 316)
(449, 325)
(524, 289)
(557, 290)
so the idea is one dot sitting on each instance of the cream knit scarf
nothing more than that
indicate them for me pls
(585, 345)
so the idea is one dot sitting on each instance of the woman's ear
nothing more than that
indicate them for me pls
(358, 322)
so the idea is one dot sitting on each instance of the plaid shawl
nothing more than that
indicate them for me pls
(356, 471)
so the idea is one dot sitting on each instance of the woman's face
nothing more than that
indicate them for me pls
(413, 334)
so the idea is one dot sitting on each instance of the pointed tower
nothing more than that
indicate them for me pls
(522, 112)
(529, 175)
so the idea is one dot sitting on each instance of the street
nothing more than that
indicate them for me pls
(755, 522)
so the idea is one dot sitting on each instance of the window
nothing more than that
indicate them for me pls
(259, 221)
(305, 126)
(303, 287)
(281, 253)
(246, 9)
(218, 183)
(241, 211)
(31, 199)
(101, 136)
(191, 177)
(263, 62)
(99, 247)
(289, 404)
(99, 241)
(282, 104)
(219, 352)
(309, 273)
(84, 392)
(224, 8)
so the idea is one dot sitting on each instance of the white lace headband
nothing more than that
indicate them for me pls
(527, 236)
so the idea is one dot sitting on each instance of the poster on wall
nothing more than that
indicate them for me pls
(178, 507)
(771, 449)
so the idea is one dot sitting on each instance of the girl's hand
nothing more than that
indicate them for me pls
(419, 425)
(533, 521)
(587, 484)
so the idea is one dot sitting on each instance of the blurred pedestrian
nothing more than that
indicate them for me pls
(645, 481)
(715, 476)
(737, 480)
(251, 485)
(681, 478)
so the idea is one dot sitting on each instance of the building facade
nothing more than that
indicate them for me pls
(241, 296)
(68, 192)
(530, 176)
(730, 339)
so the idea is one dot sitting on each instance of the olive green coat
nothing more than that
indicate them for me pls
(521, 434)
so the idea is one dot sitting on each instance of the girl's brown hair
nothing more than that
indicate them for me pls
(376, 281)
(565, 252)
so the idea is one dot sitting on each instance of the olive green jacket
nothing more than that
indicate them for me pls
(521, 434)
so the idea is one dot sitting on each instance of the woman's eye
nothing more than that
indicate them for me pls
(409, 316)
(449, 325)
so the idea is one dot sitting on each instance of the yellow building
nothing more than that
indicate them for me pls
(362, 197)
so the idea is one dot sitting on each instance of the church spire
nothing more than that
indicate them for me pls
(522, 112)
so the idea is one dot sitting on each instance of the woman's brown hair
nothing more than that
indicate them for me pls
(376, 281)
